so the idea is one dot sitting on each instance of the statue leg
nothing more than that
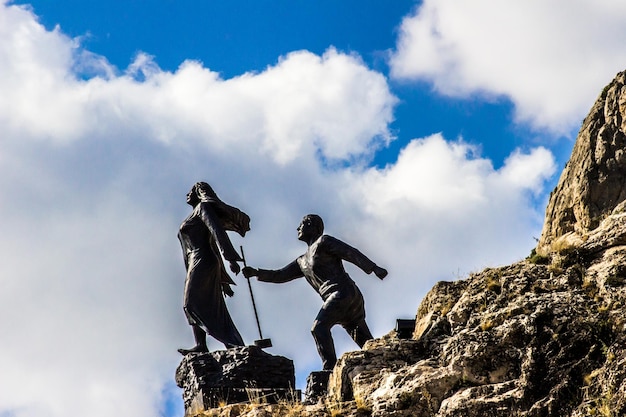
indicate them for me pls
(200, 337)
(330, 314)
(359, 332)
(324, 343)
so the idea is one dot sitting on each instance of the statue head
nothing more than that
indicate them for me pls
(201, 191)
(311, 227)
(230, 217)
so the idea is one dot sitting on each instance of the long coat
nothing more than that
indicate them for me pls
(204, 241)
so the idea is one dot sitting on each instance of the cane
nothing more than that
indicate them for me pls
(262, 343)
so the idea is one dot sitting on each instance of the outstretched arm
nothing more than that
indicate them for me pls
(354, 256)
(380, 272)
(286, 274)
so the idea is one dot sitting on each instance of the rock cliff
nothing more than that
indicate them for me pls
(540, 338)
(593, 182)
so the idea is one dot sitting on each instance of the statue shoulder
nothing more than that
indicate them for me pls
(325, 238)
(203, 208)
(202, 205)
(328, 241)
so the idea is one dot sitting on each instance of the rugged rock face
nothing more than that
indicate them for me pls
(523, 340)
(593, 182)
(545, 337)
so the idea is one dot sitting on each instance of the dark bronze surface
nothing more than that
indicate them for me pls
(322, 267)
(204, 243)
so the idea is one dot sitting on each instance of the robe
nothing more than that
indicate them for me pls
(204, 241)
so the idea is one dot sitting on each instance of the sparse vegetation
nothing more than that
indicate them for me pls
(555, 268)
(537, 259)
(605, 91)
(254, 396)
(335, 409)
(447, 307)
(600, 407)
(361, 404)
(405, 400)
(486, 324)
(493, 284)
(563, 246)
(590, 288)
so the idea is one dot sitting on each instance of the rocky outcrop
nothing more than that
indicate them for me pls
(544, 337)
(593, 182)
(523, 340)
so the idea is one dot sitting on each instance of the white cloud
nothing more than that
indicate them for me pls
(93, 175)
(443, 197)
(332, 103)
(550, 58)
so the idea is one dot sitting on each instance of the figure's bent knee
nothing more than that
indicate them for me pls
(319, 328)
(315, 327)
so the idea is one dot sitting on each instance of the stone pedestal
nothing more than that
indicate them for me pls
(316, 386)
(214, 379)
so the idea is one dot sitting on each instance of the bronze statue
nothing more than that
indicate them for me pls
(322, 267)
(204, 242)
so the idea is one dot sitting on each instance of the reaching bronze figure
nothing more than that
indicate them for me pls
(322, 267)
(204, 242)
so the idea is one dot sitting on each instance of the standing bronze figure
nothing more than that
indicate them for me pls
(322, 267)
(204, 242)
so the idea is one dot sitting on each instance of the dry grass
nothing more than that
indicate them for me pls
(486, 324)
(257, 407)
(493, 284)
(447, 307)
(566, 244)
(361, 404)
(335, 409)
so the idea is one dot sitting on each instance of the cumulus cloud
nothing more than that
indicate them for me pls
(442, 195)
(549, 58)
(331, 103)
(94, 172)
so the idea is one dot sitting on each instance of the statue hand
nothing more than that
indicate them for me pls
(227, 290)
(380, 272)
(234, 266)
(248, 272)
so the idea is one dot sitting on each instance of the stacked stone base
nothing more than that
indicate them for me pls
(246, 374)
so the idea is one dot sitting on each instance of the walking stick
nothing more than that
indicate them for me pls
(262, 343)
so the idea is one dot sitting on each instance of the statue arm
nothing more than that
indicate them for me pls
(221, 238)
(185, 258)
(278, 276)
(353, 255)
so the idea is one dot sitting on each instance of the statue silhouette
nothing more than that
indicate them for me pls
(322, 267)
(204, 242)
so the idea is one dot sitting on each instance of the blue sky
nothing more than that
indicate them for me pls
(427, 134)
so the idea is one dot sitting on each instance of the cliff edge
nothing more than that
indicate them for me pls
(593, 182)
